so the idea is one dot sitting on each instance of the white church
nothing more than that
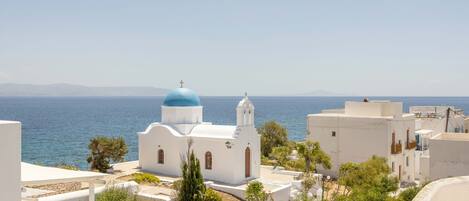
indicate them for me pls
(228, 153)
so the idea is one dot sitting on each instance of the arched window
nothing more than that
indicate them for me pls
(208, 160)
(393, 137)
(161, 156)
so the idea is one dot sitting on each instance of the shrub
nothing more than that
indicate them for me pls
(255, 192)
(211, 195)
(145, 178)
(104, 149)
(67, 166)
(410, 193)
(116, 194)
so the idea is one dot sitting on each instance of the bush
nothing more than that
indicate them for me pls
(255, 192)
(67, 166)
(410, 193)
(104, 149)
(145, 178)
(116, 194)
(211, 195)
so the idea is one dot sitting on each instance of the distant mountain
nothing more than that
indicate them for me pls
(323, 93)
(9, 89)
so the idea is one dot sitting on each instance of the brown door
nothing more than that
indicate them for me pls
(247, 162)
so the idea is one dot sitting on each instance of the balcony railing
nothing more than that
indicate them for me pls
(396, 148)
(411, 145)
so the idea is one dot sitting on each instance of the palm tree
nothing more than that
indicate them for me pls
(313, 155)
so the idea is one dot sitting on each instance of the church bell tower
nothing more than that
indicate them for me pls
(245, 112)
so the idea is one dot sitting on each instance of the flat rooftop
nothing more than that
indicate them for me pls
(452, 136)
(356, 116)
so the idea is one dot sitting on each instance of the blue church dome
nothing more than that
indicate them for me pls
(182, 97)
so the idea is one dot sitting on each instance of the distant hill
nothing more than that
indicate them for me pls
(323, 93)
(9, 89)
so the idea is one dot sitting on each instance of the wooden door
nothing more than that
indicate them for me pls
(247, 162)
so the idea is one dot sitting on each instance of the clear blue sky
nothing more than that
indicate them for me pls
(226, 47)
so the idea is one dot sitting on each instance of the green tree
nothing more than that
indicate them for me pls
(104, 149)
(255, 192)
(272, 135)
(367, 181)
(280, 154)
(191, 187)
(313, 155)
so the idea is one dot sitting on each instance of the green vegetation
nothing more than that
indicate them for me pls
(272, 135)
(276, 150)
(308, 182)
(255, 192)
(367, 181)
(116, 194)
(104, 149)
(145, 178)
(211, 195)
(313, 155)
(67, 166)
(410, 193)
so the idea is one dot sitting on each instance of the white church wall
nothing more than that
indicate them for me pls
(10, 155)
(181, 115)
(247, 138)
(159, 137)
(223, 165)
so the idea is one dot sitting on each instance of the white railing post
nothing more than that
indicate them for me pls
(91, 191)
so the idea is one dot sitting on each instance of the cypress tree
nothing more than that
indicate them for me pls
(192, 184)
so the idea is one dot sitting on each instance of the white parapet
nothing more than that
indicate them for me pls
(10, 155)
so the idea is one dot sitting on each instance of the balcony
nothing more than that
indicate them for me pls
(396, 148)
(411, 145)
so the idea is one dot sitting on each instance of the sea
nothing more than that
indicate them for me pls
(57, 130)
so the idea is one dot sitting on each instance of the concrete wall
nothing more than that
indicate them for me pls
(424, 169)
(449, 156)
(10, 157)
(454, 189)
(373, 108)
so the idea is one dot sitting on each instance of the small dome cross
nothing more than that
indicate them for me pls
(182, 83)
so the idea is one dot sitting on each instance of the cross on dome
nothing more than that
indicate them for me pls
(182, 83)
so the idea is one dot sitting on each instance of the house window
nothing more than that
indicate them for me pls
(392, 166)
(407, 161)
(161, 156)
(333, 133)
(208, 160)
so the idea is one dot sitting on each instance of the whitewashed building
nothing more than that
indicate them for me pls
(364, 129)
(228, 153)
(10, 155)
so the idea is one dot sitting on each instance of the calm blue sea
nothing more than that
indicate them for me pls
(58, 129)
